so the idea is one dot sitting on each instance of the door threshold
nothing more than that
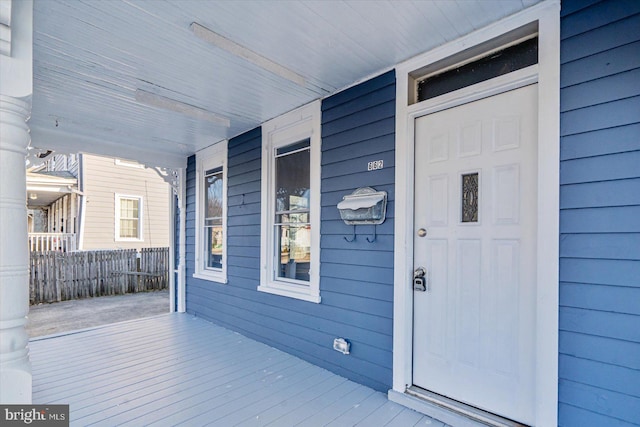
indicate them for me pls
(449, 411)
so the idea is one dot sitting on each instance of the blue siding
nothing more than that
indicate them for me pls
(358, 126)
(356, 282)
(599, 338)
(599, 360)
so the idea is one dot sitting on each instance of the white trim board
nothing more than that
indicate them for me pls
(290, 128)
(547, 17)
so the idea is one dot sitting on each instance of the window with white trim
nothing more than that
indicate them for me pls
(128, 218)
(211, 213)
(290, 226)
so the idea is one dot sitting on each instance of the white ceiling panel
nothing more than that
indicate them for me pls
(91, 56)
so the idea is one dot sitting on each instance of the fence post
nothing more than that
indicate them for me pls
(98, 262)
(49, 277)
(33, 279)
(56, 266)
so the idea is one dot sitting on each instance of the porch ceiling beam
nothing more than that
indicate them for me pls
(160, 101)
(66, 142)
(52, 189)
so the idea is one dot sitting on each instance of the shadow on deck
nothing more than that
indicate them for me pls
(176, 369)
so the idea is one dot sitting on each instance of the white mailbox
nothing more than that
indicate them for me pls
(364, 206)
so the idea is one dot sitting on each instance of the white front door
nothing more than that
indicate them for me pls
(475, 235)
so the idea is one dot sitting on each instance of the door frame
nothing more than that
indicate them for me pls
(546, 17)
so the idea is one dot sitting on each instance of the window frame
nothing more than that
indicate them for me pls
(207, 159)
(288, 129)
(118, 199)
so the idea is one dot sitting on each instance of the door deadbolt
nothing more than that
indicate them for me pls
(419, 279)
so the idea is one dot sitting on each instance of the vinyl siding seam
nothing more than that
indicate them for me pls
(566, 20)
(560, 424)
(594, 383)
(606, 396)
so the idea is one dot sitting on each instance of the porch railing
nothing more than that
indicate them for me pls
(64, 242)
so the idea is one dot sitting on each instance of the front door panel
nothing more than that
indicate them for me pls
(475, 195)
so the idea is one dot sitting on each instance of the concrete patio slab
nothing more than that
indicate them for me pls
(65, 316)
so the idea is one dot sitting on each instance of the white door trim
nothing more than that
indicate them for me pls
(547, 16)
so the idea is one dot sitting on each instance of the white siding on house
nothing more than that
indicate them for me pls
(102, 179)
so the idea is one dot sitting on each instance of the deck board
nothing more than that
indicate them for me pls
(176, 369)
(405, 418)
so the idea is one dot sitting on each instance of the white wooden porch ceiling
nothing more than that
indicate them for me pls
(91, 56)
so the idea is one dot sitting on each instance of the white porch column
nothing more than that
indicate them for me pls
(182, 262)
(15, 369)
(16, 62)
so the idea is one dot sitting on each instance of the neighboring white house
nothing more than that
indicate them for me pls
(88, 202)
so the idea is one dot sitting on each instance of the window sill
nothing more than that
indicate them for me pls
(128, 239)
(211, 277)
(291, 293)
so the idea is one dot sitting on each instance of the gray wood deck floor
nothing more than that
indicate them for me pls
(179, 370)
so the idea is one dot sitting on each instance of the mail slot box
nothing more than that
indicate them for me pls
(363, 206)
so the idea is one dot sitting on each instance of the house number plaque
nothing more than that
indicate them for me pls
(375, 165)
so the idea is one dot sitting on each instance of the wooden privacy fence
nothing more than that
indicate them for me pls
(59, 276)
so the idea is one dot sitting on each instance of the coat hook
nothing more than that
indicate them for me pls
(375, 234)
(354, 236)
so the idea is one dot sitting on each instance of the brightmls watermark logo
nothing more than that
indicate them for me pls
(34, 415)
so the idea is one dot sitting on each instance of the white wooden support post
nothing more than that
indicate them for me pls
(177, 179)
(182, 251)
(15, 105)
